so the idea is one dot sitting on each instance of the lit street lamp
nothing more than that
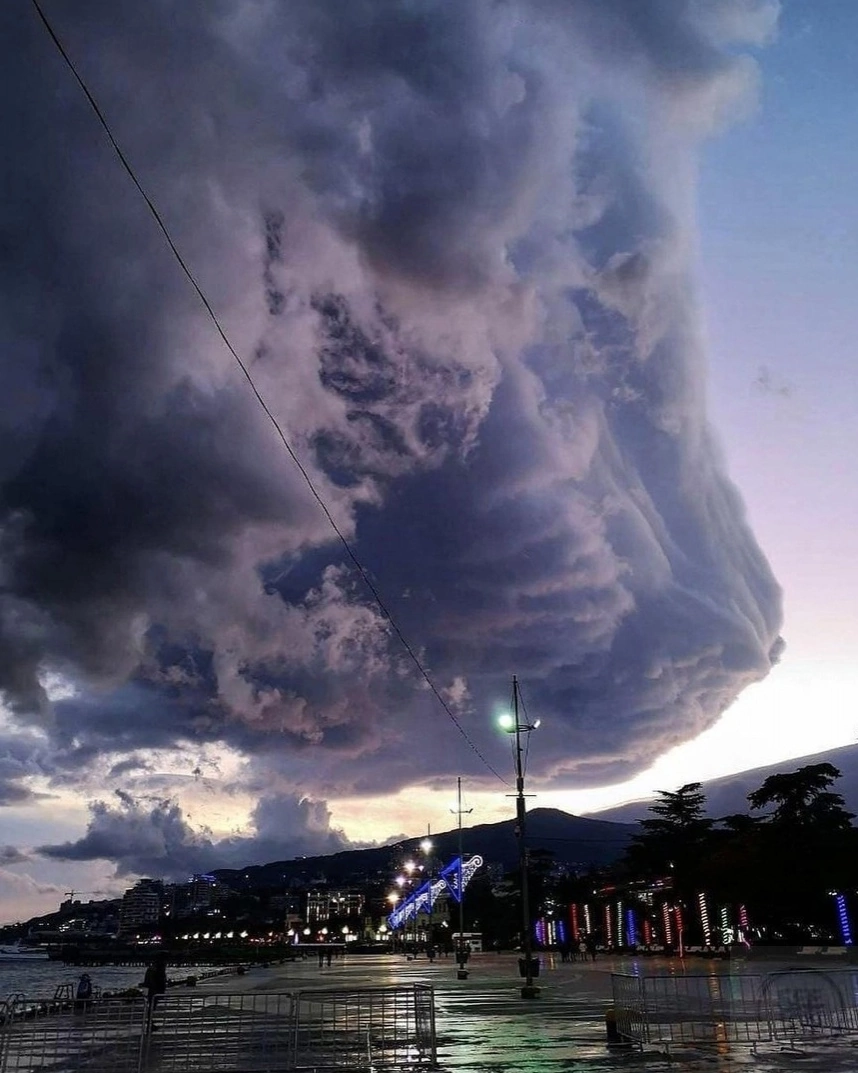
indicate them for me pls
(461, 972)
(409, 867)
(512, 724)
(426, 846)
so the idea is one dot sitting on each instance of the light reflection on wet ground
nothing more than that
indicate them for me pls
(484, 1026)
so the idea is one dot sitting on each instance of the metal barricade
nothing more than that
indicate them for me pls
(222, 1033)
(219, 1033)
(378, 1027)
(812, 1003)
(716, 1009)
(723, 1009)
(102, 1036)
(630, 1008)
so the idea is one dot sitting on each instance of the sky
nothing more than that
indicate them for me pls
(550, 301)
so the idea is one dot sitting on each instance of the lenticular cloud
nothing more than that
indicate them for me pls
(452, 242)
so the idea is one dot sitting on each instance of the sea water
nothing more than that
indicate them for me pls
(38, 978)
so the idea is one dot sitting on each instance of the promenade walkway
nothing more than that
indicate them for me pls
(484, 1026)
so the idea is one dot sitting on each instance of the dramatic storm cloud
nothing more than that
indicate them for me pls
(454, 243)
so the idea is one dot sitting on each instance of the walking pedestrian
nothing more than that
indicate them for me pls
(155, 985)
(83, 994)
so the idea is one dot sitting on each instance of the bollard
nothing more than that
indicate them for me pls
(612, 1032)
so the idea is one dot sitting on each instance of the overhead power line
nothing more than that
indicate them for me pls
(358, 565)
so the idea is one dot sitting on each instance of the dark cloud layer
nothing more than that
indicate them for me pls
(154, 838)
(23, 757)
(12, 855)
(453, 241)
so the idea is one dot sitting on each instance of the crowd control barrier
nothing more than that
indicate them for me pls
(276, 1032)
(785, 1007)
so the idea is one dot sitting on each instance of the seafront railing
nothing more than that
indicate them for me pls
(105, 1036)
(275, 1032)
(384, 1026)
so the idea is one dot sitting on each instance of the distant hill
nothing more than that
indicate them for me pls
(576, 840)
(729, 794)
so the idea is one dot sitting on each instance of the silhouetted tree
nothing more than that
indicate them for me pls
(803, 849)
(803, 799)
(675, 841)
(784, 864)
(730, 869)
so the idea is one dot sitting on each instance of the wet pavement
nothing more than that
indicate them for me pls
(484, 1026)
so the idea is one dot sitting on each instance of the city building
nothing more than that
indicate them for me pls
(201, 894)
(140, 909)
(323, 904)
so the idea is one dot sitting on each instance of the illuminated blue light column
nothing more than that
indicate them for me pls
(843, 917)
(631, 929)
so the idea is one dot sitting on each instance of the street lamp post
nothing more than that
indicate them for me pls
(512, 725)
(409, 869)
(392, 898)
(462, 972)
(426, 846)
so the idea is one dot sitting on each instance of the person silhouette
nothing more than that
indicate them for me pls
(83, 994)
(155, 985)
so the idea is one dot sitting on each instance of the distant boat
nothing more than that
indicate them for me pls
(23, 953)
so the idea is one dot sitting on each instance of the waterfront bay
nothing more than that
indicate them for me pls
(38, 978)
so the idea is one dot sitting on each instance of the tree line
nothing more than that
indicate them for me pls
(784, 859)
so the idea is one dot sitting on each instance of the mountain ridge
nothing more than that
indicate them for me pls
(576, 840)
(728, 793)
